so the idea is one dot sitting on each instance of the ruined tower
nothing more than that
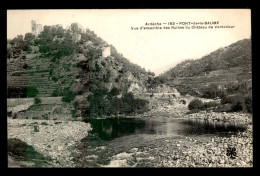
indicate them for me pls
(36, 28)
(33, 27)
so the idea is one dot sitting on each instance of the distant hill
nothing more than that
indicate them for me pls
(227, 66)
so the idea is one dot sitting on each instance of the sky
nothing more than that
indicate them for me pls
(154, 50)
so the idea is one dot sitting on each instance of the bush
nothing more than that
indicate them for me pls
(57, 92)
(22, 151)
(248, 103)
(114, 92)
(37, 100)
(237, 106)
(231, 99)
(182, 101)
(193, 111)
(223, 108)
(17, 147)
(32, 91)
(195, 104)
(44, 123)
(210, 104)
(54, 79)
(45, 117)
(69, 96)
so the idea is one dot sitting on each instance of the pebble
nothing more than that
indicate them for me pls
(222, 161)
(243, 163)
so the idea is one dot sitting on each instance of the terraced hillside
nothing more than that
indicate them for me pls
(39, 76)
(36, 71)
(224, 67)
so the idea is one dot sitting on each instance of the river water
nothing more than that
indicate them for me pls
(111, 128)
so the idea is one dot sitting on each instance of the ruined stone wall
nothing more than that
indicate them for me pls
(106, 51)
(76, 37)
(36, 28)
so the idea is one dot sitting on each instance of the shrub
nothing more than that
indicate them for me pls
(22, 151)
(69, 96)
(223, 108)
(182, 101)
(37, 100)
(248, 103)
(57, 92)
(36, 128)
(226, 100)
(114, 91)
(32, 91)
(232, 99)
(210, 104)
(44, 123)
(193, 111)
(195, 104)
(54, 79)
(237, 106)
(45, 117)
(17, 147)
(57, 123)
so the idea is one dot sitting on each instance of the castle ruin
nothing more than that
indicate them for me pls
(76, 37)
(36, 28)
(106, 51)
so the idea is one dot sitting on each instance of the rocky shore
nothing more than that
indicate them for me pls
(190, 152)
(222, 117)
(53, 139)
(62, 142)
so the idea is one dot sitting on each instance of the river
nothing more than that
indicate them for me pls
(111, 136)
(111, 128)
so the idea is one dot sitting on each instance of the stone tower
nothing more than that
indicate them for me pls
(33, 27)
(36, 28)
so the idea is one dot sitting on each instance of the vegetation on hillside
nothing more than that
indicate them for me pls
(106, 103)
(202, 77)
(236, 54)
(88, 75)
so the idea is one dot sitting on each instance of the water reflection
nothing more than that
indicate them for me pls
(199, 127)
(108, 129)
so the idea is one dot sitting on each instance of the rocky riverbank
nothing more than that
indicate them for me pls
(53, 139)
(189, 152)
(222, 116)
(62, 142)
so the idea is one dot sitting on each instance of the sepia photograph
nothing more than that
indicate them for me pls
(129, 88)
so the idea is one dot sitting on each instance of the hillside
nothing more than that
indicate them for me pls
(225, 68)
(72, 63)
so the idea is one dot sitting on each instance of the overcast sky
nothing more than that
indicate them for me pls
(155, 50)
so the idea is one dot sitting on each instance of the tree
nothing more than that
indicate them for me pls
(18, 44)
(69, 96)
(114, 91)
(75, 27)
(29, 37)
(32, 91)
(9, 51)
(195, 104)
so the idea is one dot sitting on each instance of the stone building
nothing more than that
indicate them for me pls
(106, 51)
(76, 37)
(36, 28)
